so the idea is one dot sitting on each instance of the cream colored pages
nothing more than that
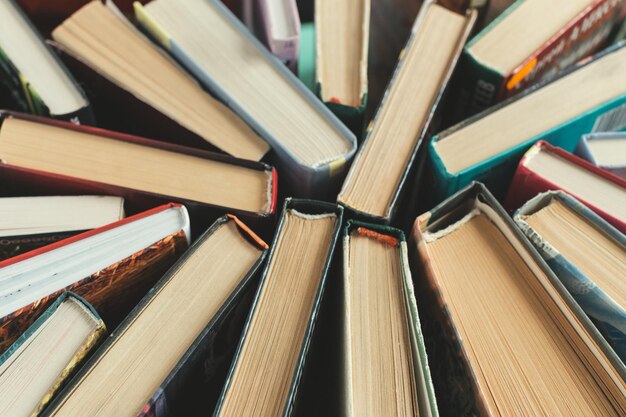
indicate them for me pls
(523, 362)
(115, 49)
(227, 57)
(595, 253)
(382, 378)
(32, 370)
(133, 367)
(379, 165)
(267, 361)
(82, 155)
(535, 113)
(523, 31)
(580, 182)
(342, 34)
(608, 152)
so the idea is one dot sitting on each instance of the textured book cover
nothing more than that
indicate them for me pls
(113, 291)
(584, 151)
(456, 384)
(25, 94)
(497, 172)
(585, 34)
(527, 183)
(80, 355)
(608, 316)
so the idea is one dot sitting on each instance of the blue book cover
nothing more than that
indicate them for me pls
(606, 150)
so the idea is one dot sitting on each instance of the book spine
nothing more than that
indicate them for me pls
(482, 86)
(583, 36)
(11, 246)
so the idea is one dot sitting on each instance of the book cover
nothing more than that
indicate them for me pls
(527, 184)
(114, 290)
(608, 316)
(303, 179)
(306, 58)
(79, 357)
(25, 93)
(583, 150)
(11, 246)
(19, 180)
(585, 34)
(497, 172)
(305, 207)
(425, 389)
(193, 386)
(455, 381)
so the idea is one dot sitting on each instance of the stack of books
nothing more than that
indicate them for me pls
(281, 208)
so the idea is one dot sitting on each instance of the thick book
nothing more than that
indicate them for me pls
(45, 357)
(545, 167)
(28, 223)
(385, 162)
(137, 88)
(606, 150)
(265, 376)
(37, 79)
(310, 145)
(277, 25)
(504, 336)
(112, 267)
(488, 146)
(341, 49)
(145, 172)
(144, 367)
(532, 40)
(383, 344)
(586, 253)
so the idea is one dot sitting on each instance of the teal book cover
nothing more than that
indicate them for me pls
(605, 312)
(497, 171)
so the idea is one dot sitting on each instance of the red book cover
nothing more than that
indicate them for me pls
(528, 183)
(114, 290)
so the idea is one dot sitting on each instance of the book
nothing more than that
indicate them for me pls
(36, 78)
(277, 25)
(545, 167)
(27, 223)
(306, 58)
(341, 48)
(606, 150)
(272, 354)
(384, 162)
(383, 343)
(530, 41)
(127, 61)
(506, 337)
(133, 167)
(133, 372)
(112, 267)
(586, 253)
(488, 146)
(309, 143)
(46, 355)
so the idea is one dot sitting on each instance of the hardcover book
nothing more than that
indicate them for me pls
(383, 343)
(530, 41)
(488, 146)
(139, 89)
(144, 171)
(277, 25)
(384, 164)
(44, 358)
(545, 167)
(586, 253)
(144, 367)
(606, 150)
(38, 81)
(341, 49)
(277, 336)
(112, 267)
(28, 223)
(505, 337)
(310, 145)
